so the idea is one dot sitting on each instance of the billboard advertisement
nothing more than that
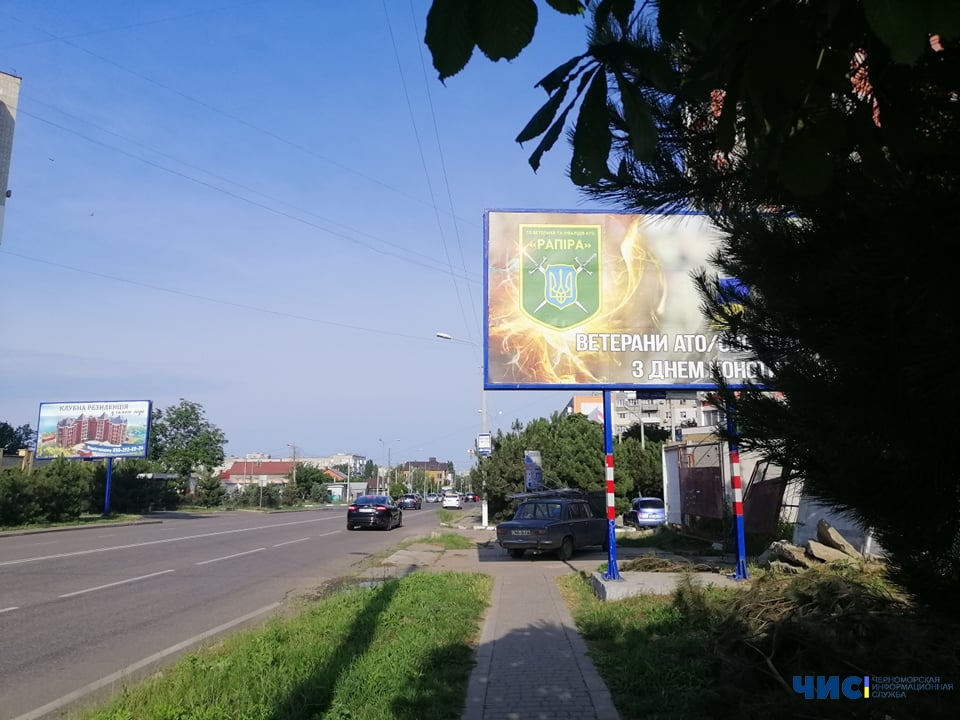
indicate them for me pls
(92, 430)
(589, 300)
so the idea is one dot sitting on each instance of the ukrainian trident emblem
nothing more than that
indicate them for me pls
(560, 274)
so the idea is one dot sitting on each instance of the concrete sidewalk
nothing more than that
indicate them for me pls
(531, 663)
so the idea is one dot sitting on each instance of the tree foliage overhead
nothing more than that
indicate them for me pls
(183, 440)
(823, 138)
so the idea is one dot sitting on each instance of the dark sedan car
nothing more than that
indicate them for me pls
(410, 502)
(377, 511)
(557, 524)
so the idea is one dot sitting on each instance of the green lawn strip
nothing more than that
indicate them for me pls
(668, 540)
(446, 540)
(398, 650)
(707, 653)
(82, 520)
(653, 665)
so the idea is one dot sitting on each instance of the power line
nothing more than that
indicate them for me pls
(423, 160)
(443, 164)
(234, 195)
(424, 261)
(207, 298)
(231, 116)
(120, 28)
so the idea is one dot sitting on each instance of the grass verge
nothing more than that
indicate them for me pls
(709, 653)
(668, 540)
(398, 650)
(82, 520)
(446, 540)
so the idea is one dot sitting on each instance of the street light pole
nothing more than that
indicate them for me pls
(484, 518)
(388, 446)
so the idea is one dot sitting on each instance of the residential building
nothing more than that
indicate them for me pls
(628, 410)
(435, 471)
(256, 472)
(354, 463)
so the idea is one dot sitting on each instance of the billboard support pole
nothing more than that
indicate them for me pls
(613, 572)
(106, 494)
(741, 571)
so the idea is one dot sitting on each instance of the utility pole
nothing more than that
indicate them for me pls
(483, 478)
(294, 449)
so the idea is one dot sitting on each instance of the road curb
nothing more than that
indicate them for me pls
(65, 528)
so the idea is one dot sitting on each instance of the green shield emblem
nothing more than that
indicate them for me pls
(560, 274)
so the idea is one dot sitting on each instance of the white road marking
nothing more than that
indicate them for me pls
(43, 710)
(228, 557)
(48, 542)
(290, 542)
(3, 610)
(109, 535)
(159, 542)
(114, 584)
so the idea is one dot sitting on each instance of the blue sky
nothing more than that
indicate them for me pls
(266, 208)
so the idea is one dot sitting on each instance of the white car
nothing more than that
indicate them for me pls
(452, 501)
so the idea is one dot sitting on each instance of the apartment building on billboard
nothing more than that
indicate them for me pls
(87, 428)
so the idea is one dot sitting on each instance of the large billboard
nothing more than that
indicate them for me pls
(91, 430)
(589, 300)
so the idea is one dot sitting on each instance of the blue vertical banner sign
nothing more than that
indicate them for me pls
(532, 470)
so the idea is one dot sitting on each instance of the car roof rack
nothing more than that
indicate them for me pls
(559, 492)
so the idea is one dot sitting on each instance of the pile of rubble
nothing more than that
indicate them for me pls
(829, 547)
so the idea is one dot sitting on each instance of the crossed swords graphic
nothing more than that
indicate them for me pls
(539, 266)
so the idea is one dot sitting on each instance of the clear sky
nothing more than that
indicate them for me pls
(266, 208)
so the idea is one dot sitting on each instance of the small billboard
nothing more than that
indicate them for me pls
(484, 444)
(93, 430)
(591, 300)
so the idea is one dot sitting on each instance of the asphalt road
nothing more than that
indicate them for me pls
(80, 606)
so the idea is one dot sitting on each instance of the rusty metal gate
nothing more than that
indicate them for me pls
(702, 510)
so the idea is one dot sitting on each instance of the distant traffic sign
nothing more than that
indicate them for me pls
(484, 444)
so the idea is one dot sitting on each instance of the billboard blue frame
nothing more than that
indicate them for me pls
(649, 332)
(130, 420)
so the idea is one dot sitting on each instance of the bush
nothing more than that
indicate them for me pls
(18, 504)
(57, 491)
(62, 490)
(210, 491)
(128, 493)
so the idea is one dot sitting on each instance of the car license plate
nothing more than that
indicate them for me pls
(521, 532)
(366, 510)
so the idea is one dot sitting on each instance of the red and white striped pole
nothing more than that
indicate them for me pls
(613, 572)
(741, 571)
